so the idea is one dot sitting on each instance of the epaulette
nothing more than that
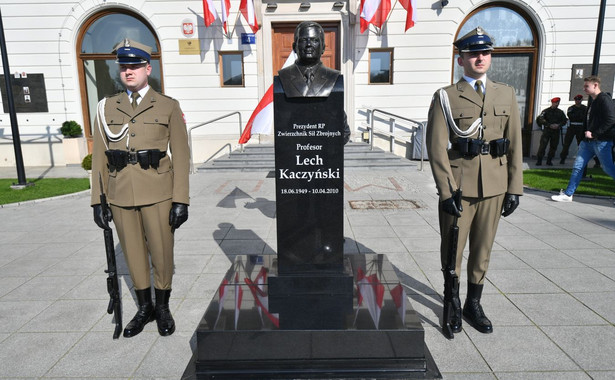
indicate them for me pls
(114, 95)
(502, 83)
(166, 96)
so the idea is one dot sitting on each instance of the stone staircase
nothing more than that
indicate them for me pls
(260, 157)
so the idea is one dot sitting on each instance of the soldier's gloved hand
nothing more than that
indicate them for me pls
(178, 215)
(101, 218)
(450, 207)
(511, 201)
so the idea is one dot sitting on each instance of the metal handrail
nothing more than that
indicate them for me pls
(192, 171)
(394, 117)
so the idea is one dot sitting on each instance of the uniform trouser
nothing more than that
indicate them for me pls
(479, 221)
(145, 232)
(551, 137)
(572, 132)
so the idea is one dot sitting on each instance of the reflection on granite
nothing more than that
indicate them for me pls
(242, 300)
(378, 335)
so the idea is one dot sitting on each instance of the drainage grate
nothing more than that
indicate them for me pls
(384, 205)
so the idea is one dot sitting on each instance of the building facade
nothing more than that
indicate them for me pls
(59, 54)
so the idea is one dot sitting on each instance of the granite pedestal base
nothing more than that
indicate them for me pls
(378, 335)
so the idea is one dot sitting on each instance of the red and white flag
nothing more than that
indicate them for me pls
(410, 7)
(247, 10)
(225, 9)
(238, 297)
(209, 12)
(261, 120)
(260, 296)
(374, 12)
(399, 298)
(222, 293)
(371, 291)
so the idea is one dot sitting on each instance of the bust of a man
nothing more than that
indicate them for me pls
(308, 77)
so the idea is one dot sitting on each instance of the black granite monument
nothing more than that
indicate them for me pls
(311, 312)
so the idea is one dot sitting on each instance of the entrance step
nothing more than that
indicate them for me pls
(261, 157)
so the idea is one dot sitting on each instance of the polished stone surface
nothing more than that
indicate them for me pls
(380, 334)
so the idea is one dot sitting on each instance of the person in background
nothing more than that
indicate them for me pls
(576, 116)
(551, 120)
(598, 139)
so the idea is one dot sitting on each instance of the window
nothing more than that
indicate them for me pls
(98, 72)
(381, 66)
(231, 69)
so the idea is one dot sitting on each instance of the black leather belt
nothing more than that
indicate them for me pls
(473, 147)
(118, 159)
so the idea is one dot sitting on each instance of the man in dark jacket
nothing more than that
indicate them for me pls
(598, 137)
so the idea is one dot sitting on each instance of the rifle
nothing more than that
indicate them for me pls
(113, 285)
(451, 280)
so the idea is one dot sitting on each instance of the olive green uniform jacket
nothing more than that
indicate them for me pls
(157, 123)
(483, 175)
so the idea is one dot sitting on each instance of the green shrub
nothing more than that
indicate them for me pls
(71, 129)
(87, 162)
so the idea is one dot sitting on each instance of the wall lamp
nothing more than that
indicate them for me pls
(305, 6)
(272, 6)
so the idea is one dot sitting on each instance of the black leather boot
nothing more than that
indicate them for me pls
(164, 319)
(549, 161)
(145, 313)
(539, 161)
(473, 311)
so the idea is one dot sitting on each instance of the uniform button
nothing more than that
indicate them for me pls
(504, 111)
(132, 135)
(133, 121)
(484, 113)
(156, 120)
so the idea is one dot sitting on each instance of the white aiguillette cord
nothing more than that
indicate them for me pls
(113, 137)
(446, 108)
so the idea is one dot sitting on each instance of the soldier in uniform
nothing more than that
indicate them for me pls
(135, 133)
(551, 121)
(576, 115)
(474, 142)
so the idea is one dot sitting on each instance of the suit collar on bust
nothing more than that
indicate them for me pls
(293, 81)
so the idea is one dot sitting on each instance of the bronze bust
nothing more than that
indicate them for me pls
(308, 76)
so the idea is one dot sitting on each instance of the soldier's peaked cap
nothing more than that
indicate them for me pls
(475, 40)
(132, 53)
